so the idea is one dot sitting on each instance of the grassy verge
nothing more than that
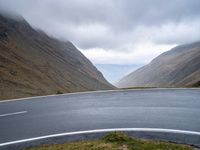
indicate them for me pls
(115, 141)
(138, 88)
(159, 87)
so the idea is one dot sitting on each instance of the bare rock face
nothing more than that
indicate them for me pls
(32, 63)
(179, 67)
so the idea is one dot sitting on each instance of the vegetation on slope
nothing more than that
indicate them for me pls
(33, 63)
(115, 141)
(179, 67)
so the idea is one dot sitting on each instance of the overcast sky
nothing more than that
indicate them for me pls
(114, 31)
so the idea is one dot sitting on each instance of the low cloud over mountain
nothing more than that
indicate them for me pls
(114, 31)
(32, 63)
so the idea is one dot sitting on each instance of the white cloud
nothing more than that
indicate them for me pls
(114, 31)
(178, 33)
(142, 54)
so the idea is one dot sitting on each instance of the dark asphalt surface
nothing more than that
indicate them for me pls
(152, 108)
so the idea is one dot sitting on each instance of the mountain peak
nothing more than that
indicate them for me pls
(179, 67)
(32, 63)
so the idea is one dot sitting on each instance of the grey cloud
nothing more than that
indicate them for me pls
(120, 19)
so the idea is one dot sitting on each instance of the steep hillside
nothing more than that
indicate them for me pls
(32, 63)
(179, 67)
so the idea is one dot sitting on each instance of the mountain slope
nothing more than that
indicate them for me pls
(179, 67)
(32, 63)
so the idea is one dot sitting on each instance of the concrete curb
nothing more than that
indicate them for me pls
(91, 92)
(169, 135)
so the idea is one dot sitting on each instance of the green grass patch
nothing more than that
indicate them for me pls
(59, 92)
(115, 141)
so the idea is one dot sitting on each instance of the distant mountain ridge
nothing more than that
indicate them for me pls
(113, 72)
(32, 63)
(179, 67)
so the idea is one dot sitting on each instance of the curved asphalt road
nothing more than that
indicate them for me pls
(151, 108)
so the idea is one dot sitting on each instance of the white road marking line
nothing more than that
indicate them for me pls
(90, 92)
(14, 113)
(103, 130)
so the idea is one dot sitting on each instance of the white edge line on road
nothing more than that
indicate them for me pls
(88, 92)
(14, 113)
(103, 130)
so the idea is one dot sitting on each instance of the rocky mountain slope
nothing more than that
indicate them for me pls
(179, 67)
(32, 63)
